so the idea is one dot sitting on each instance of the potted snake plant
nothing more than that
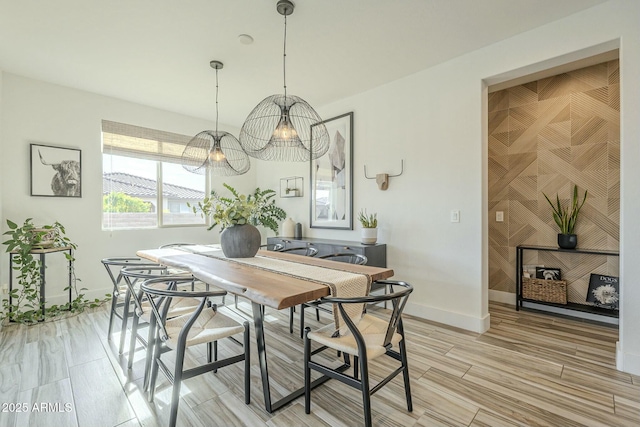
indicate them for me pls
(566, 218)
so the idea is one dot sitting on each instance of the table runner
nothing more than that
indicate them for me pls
(342, 283)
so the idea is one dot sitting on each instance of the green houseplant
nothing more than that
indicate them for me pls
(238, 216)
(25, 305)
(369, 222)
(566, 218)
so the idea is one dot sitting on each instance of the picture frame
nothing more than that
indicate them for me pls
(548, 273)
(604, 291)
(55, 171)
(331, 177)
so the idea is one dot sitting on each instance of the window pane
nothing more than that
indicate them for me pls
(180, 187)
(129, 190)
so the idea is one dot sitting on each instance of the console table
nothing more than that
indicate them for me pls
(570, 305)
(42, 254)
(376, 253)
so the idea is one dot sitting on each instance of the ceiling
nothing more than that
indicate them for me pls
(157, 52)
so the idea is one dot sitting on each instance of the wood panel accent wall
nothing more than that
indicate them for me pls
(546, 136)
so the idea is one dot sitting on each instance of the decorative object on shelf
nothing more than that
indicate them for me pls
(55, 171)
(291, 186)
(566, 218)
(554, 291)
(255, 209)
(26, 304)
(332, 177)
(604, 291)
(382, 179)
(298, 232)
(288, 228)
(369, 224)
(548, 273)
(217, 151)
(279, 127)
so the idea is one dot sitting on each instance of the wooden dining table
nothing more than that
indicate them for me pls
(264, 288)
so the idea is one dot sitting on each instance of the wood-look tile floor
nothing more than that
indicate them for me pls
(528, 369)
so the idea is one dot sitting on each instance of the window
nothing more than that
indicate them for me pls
(144, 185)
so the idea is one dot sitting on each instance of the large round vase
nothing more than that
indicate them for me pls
(567, 241)
(240, 241)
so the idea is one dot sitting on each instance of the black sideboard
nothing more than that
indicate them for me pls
(376, 253)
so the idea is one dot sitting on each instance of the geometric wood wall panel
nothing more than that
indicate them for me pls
(544, 137)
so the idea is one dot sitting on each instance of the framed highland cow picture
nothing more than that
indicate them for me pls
(55, 171)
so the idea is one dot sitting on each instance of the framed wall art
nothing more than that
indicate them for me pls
(332, 177)
(55, 171)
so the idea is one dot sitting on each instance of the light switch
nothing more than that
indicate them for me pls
(499, 216)
(455, 215)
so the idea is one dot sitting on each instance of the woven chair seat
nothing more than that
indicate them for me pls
(210, 326)
(373, 331)
(179, 307)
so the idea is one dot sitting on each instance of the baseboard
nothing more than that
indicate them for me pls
(503, 297)
(458, 320)
(627, 362)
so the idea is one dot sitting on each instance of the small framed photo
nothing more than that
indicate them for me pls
(604, 291)
(55, 171)
(548, 273)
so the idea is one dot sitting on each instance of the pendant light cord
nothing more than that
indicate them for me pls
(284, 60)
(216, 102)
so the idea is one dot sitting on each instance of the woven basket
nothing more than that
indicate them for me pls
(545, 290)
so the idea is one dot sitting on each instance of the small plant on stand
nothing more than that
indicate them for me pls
(25, 305)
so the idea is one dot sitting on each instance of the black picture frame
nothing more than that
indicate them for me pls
(331, 177)
(55, 171)
(604, 291)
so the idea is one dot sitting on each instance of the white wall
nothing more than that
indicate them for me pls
(34, 111)
(436, 121)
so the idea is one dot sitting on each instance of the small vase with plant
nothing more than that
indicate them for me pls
(238, 216)
(369, 224)
(566, 218)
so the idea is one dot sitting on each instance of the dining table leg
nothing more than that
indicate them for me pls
(258, 321)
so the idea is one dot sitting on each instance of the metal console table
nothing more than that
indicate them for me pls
(42, 253)
(570, 305)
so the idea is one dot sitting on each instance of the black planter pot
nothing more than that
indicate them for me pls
(567, 241)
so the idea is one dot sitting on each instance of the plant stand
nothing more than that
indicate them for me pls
(42, 253)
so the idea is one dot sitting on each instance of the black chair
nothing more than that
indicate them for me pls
(204, 325)
(114, 268)
(133, 276)
(348, 257)
(304, 251)
(366, 338)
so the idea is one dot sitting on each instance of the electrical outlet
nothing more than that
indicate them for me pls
(455, 215)
(499, 216)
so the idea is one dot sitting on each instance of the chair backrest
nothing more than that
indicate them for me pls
(173, 245)
(132, 275)
(273, 247)
(303, 250)
(115, 265)
(398, 299)
(348, 257)
(160, 299)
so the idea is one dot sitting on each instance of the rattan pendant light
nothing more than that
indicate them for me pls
(214, 150)
(279, 127)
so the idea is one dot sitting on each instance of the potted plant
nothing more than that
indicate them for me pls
(566, 218)
(238, 216)
(25, 306)
(369, 233)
